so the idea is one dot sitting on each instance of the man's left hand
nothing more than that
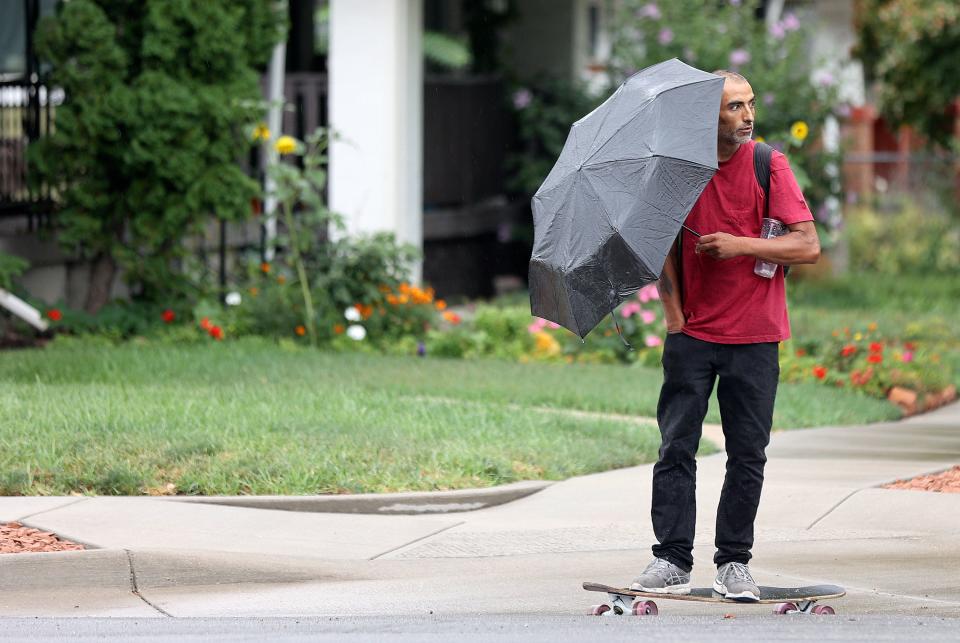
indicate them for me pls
(719, 245)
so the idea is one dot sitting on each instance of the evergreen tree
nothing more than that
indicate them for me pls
(160, 96)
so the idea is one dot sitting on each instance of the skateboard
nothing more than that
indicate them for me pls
(789, 600)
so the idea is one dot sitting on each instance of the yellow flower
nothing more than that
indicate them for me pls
(285, 144)
(261, 131)
(545, 345)
(760, 139)
(858, 337)
(799, 130)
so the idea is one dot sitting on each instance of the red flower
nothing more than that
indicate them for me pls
(876, 358)
(848, 350)
(801, 352)
(819, 372)
(216, 332)
(205, 324)
(909, 346)
(54, 314)
(876, 347)
(168, 316)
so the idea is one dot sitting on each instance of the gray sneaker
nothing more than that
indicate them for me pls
(734, 581)
(662, 577)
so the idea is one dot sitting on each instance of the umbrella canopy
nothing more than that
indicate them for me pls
(629, 173)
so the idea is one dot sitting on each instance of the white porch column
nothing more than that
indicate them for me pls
(375, 78)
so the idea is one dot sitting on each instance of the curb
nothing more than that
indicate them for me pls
(384, 504)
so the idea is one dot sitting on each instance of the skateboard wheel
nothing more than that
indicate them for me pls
(599, 610)
(645, 608)
(823, 610)
(785, 608)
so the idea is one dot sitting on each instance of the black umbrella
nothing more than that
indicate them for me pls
(628, 175)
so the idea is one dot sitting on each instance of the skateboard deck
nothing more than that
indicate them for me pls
(789, 600)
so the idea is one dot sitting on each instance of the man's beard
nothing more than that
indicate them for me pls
(732, 138)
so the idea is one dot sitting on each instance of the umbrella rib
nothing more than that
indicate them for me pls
(634, 117)
(644, 158)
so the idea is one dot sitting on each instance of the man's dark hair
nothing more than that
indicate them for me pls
(726, 73)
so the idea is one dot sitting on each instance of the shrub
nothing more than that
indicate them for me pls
(909, 241)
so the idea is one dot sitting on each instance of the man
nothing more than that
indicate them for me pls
(723, 322)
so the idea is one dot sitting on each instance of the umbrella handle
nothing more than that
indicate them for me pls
(696, 234)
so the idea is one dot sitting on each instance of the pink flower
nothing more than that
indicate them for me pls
(739, 57)
(522, 98)
(630, 309)
(778, 31)
(791, 22)
(652, 340)
(552, 325)
(907, 356)
(537, 325)
(648, 293)
(650, 10)
(666, 36)
(648, 316)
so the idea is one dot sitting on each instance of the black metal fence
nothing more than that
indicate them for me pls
(27, 112)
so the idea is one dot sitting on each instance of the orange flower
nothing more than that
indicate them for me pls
(265, 268)
(205, 324)
(254, 291)
(452, 317)
(876, 358)
(441, 304)
(848, 350)
(819, 372)
(300, 330)
(403, 298)
(404, 288)
(364, 310)
(338, 329)
(216, 332)
(384, 288)
(801, 352)
(54, 314)
(281, 279)
(872, 326)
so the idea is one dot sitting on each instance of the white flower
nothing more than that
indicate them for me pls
(356, 332)
(352, 314)
(233, 298)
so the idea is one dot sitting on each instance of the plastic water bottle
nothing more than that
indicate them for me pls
(771, 228)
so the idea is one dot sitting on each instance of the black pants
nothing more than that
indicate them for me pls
(748, 375)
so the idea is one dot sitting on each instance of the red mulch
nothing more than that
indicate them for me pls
(17, 539)
(946, 482)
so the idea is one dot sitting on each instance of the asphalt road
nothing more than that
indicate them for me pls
(537, 627)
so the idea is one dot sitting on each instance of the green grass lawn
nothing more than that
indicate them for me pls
(248, 417)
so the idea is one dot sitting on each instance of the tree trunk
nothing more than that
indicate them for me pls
(101, 279)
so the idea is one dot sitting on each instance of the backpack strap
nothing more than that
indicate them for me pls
(762, 153)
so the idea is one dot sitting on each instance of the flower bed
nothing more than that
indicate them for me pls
(911, 374)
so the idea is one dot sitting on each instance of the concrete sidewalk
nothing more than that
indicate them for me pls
(823, 519)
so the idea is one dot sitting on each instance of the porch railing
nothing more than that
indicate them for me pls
(27, 112)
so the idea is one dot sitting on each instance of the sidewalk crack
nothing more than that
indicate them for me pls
(417, 540)
(833, 508)
(136, 591)
(57, 508)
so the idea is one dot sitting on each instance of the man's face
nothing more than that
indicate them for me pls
(737, 110)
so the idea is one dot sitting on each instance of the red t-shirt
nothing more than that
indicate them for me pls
(723, 300)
